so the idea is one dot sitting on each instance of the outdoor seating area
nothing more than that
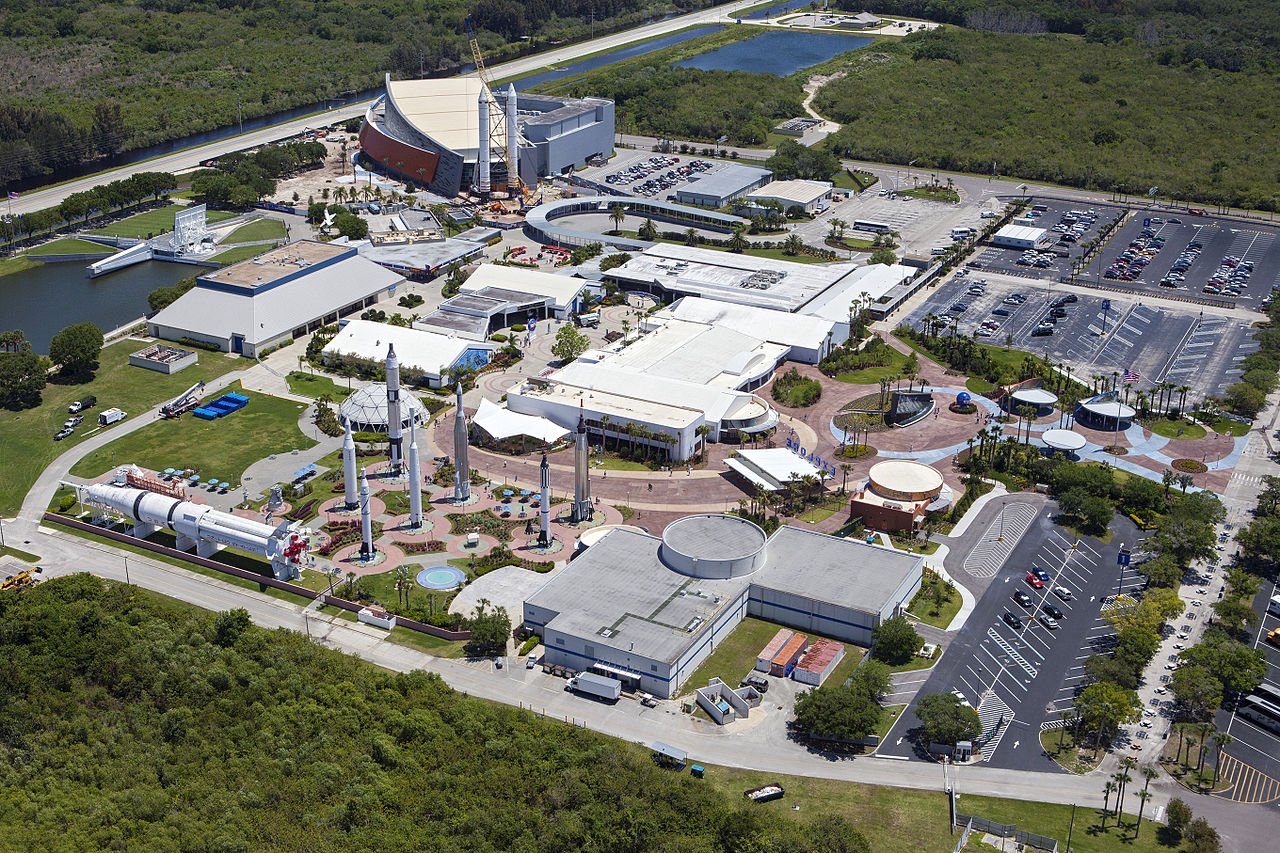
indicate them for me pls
(521, 502)
(193, 480)
(224, 405)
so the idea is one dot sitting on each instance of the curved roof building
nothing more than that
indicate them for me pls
(366, 409)
(432, 132)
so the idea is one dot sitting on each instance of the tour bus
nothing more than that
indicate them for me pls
(872, 226)
(1260, 711)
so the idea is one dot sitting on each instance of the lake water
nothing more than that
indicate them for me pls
(42, 300)
(776, 52)
(777, 9)
(627, 52)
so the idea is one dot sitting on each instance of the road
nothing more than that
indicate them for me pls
(191, 157)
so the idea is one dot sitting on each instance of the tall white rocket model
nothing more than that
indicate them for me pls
(350, 500)
(482, 156)
(366, 523)
(581, 482)
(395, 440)
(544, 481)
(513, 141)
(415, 479)
(461, 466)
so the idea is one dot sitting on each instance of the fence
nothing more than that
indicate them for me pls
(245, 574)
(1006, 830)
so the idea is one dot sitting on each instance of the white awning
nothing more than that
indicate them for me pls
(504, 423)
(751, 475)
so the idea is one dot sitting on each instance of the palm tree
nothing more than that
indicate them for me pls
(691, 237)
(605, 420)
(738, 242)
(1183, 390)
(1206, 729)
(1124, 778)
(1108, 789)
(845, 468)
(648, 231)
(1143, 796)
(1168, 478)
(403, 584)
(1220, 740)
(793, 245)
(1185, 480)
(618, 213)
(1191, 744)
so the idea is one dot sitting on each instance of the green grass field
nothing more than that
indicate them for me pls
(932, 193)
(222, 448)
(314, 386)
(1176, 428)
(873, 375)
(19, 554)
(152, 222)
(9, 266)
(261, 229)
(26, 438)
(922, 606)
(70, 246)
(901, 819)
(238, 254)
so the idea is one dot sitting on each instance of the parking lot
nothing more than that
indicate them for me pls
(1187, 254)
(1021, 679)
(649, 175)
(1069, 225)
(1158, 340)
(1251, 765)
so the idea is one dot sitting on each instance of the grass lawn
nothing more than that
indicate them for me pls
(1001, 357)
(614, 463)
(824, 510)
(736, 654)
(915, 546)
(1176, 428)
(901, 819)
(19, 554)
(262, 229)
(873, 375)
(9, 266)
(314, 386)
(240, 253)
(914, 664)
(70, 246)
(888, 718)
(1061, 747)
(1226, 425)
(853, 656)
(922, 606)
(941, 194)
(222, 448)
(978, 385)
(26, 438)
(152, 222)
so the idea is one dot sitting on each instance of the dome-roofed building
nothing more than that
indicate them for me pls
(898, 494)
(366, 409)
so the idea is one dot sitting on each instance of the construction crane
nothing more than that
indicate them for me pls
(496, 117)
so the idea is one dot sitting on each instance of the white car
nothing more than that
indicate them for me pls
(1049, 622)
(1062, 592)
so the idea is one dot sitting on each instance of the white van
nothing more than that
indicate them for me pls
(1274, 607)
(961, 233)
(112, 416)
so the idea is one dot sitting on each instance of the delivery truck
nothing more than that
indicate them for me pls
(597, 686)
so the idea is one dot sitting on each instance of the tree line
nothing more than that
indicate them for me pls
(116, 195)
(24, 373)
(133, 720)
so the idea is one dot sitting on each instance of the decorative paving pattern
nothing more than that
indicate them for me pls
(989, 554)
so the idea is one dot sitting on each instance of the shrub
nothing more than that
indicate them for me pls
(792, 389)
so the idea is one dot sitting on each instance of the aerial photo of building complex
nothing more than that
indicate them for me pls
(639, 427)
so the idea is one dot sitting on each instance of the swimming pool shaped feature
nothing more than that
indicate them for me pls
(441, 578)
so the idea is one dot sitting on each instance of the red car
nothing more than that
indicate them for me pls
(1034, 581)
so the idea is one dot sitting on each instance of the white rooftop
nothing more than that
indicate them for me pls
(795, 192)
(430, 352)
(1035, 396)
(792, 330)
(653, 395)
(701, 353)
(778, 465)
(1021, 232)
(1064, 439)
(447, 109)
(503, 423)
(561, 289)
(872, 281)
(266, 314)
(729, 277)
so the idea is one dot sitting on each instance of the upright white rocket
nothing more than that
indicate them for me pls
(366, 522)
(395, 439)
(415, 479)
(350, 499)
(482, 156)
(513, 139)
(544, 480)
(581, 472)
(461, 465)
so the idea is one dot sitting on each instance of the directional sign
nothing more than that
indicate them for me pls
(1106, 305)
(1122, 558)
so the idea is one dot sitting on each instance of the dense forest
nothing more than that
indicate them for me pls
(1062, 109)
(130, 721)
(90, 78)
(1232, 35)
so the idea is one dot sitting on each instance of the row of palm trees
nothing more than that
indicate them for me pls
(792, 499)
(638, 434)
(1118, 784)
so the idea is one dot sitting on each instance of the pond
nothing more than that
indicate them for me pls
(630, 51)
(44, 299)
(776, 9)
(776, 52)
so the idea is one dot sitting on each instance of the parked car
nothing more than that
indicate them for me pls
(73, 422)
(1040, 573)
(531, 662)
(1053, 611)
(62, 433)
(1012, 620)
(1022, 598)
(1049, 622)
(1034, 581)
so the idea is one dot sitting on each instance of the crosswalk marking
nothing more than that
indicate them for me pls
(1012, 653)
(989, 554)
(991, 710)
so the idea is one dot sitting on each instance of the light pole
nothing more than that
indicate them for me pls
(126, 571)
(1003, 506)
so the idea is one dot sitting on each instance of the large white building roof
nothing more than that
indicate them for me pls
(793, 192)
(652, 397)
(792, 330)
(430, 352)
(561, 289)
(264, 315)
(447, 110)
(1020, 233)
(874, 280)
(730, 277)
(700, 353)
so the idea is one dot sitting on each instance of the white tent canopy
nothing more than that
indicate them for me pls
(503, 423)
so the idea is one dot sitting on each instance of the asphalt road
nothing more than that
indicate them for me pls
(190, 158)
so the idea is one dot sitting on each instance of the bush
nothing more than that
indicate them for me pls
(792, 389)
(204, 345)
(519, 327)
(499, 337)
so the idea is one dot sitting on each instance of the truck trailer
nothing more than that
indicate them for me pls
(597, 686)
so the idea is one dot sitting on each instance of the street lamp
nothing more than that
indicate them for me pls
(126, 571)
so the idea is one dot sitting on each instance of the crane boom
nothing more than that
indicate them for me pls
(496, 116)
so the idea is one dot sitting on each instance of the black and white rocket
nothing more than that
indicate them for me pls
(395, 440)
(461, 465)
(366, 523)
(581, 472)
(544, 482)
(350, 499)
(415, 479)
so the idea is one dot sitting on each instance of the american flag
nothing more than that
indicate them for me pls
(1132, 376)
(12, 196)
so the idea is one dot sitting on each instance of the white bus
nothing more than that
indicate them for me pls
(1261, 712)
(872, 226)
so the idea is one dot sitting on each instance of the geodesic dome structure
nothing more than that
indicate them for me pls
(366, 410)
